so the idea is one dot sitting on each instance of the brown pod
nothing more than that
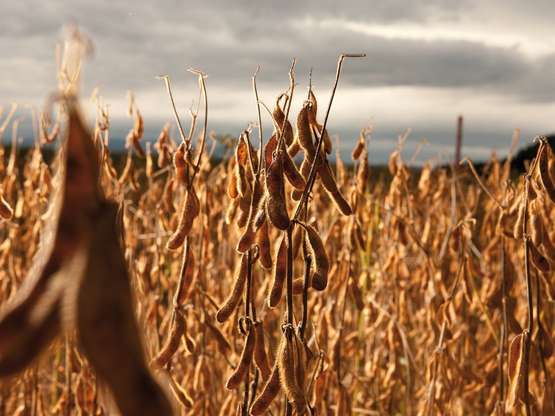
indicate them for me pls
(167, 196)
(127, 169)
(6, 211)
(268, 394)
(232, 181)
(361, 144)
(298, 286)
(538, 259)
(362, 173)
(320, 262)
(313, 108)
(328, 181)
(548, 246)
(543, 166)
(517, 228)
(172, 343)
(241, 180)
(233, 299)
(292, 173)
(304, 133)
(260, 357)
(288, 363)
(247, 239)
(279, 272)
(231, 211)
(260, 217)
(279, 118)
(245, 361)
(244, 203)
(516, 358)
(296, 194)
(180, 164)
(190, 211)
(149, 164)
(293, 149)
(536, 224)
(137, 147)
(263, 243)
(188, 278)
(270, 148)
(276, 207)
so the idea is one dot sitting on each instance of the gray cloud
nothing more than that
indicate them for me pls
(136, 41)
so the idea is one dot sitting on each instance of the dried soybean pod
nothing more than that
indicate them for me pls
(231, 211)
(293, 149)
(362, 173)
(313, 108)
(241, 181)
(263, 243)
(320, 260)
(172, 342)
(328, 181)
(232, 181)
(268, 394)
(298, 286)
(127, 169)
(304, 134)
(296, 194)
(247, 239)
(269, 149)
(287, 362)
(149, 164)
(180, 164)
(244, 203)
(180, 393)
(233, 299)
(515, 368)
(545, 156)
(538, 259)
(279, 118)
(278, 272)
(548, 246)
(359, 147)
(260, 357)
(276, 207)
(245, 361)
(536, 224)
(167, 197)
(188, 278)
(517, 228)
(190, 211)
(260, 217)
(292, 173)
(6, 211)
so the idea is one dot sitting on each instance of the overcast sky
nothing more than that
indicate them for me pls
(427, 62)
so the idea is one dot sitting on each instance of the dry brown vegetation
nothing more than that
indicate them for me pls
(257, 285)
